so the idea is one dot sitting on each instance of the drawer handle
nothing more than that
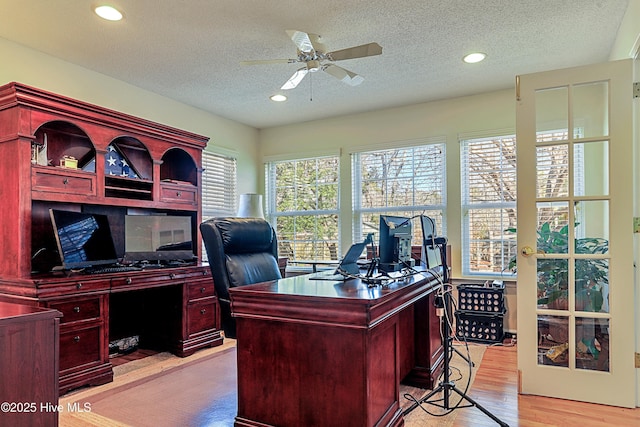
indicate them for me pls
(178, 193)
(78, 286)
(76, 338)
(172, 276)
(202, 289)
(65, 181)
(203, 311)
(76, 309)
(128, 280)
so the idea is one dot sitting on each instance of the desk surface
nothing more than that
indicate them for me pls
(355, 289)
(351, 303)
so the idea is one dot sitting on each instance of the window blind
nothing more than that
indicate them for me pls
(219, 181)
(303, 202)
(488, 181)
(404, 181)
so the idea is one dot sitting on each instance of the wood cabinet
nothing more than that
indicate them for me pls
(29, 365)
(61, 153)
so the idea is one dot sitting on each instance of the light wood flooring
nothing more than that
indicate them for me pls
(496, 389)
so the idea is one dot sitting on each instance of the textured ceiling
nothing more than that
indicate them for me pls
(190, 50)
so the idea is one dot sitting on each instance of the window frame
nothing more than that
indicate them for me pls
(272, 214)
(507, 239)
(409, 210)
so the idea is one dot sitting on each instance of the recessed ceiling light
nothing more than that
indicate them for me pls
(109, 13)
(472, 58)
(278, 98)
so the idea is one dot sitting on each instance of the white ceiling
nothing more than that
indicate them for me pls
(190, 50)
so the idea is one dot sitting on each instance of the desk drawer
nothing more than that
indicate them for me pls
(163, 277)
(76, 310)
(201, 316)
(63, 181)
(200, 289)
(178, 194)
(79, 347)
(71, 286)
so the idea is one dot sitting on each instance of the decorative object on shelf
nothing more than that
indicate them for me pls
(250, 206)
(69, 162)
(116, 164)
(39, 153)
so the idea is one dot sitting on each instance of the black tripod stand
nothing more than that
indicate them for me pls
(446, 385)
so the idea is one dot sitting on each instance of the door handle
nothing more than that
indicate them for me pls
(527, 251)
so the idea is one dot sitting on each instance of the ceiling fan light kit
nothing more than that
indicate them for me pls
(312, 53)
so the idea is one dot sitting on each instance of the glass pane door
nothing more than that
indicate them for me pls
(575, 268)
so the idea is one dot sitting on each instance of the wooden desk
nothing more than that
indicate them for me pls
(29, 365)
(324, 353)
(172, 309)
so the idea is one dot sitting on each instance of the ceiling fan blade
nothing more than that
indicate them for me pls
(302, 40)
(295, 79)
(346, 76)
(268, 61)
(370, 49)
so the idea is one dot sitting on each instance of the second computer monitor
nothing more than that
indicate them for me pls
(431, 252)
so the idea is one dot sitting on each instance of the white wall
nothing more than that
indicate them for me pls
(24, 65)
(628, 33)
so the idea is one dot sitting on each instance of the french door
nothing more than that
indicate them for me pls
(575, 242)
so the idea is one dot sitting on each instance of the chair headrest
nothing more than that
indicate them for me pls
(245, 235)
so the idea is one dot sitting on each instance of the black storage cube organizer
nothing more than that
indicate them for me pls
(484, 328)
(480, 313)
(478, 299)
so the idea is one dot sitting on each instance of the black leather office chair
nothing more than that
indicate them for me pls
(241, 251)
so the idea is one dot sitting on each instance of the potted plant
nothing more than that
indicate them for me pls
(591, 275)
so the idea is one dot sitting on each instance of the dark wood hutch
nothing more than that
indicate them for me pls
(173, 308)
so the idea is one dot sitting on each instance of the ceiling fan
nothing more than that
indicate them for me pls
(313, 54)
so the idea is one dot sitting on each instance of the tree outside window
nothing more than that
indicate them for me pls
(488, 168)
(405, 182)
(303, 205)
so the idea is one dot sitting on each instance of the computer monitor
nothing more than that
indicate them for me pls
(83, 239)
(395, 243)
(432, 246)
(157, 238)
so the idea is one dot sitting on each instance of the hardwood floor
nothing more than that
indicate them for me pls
(496, 389)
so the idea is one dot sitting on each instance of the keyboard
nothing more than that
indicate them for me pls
(112, 269)
(328, 275)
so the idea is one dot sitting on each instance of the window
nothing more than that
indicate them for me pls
(218, 187)
(488, 168)
(303, 205)
(406, 181)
